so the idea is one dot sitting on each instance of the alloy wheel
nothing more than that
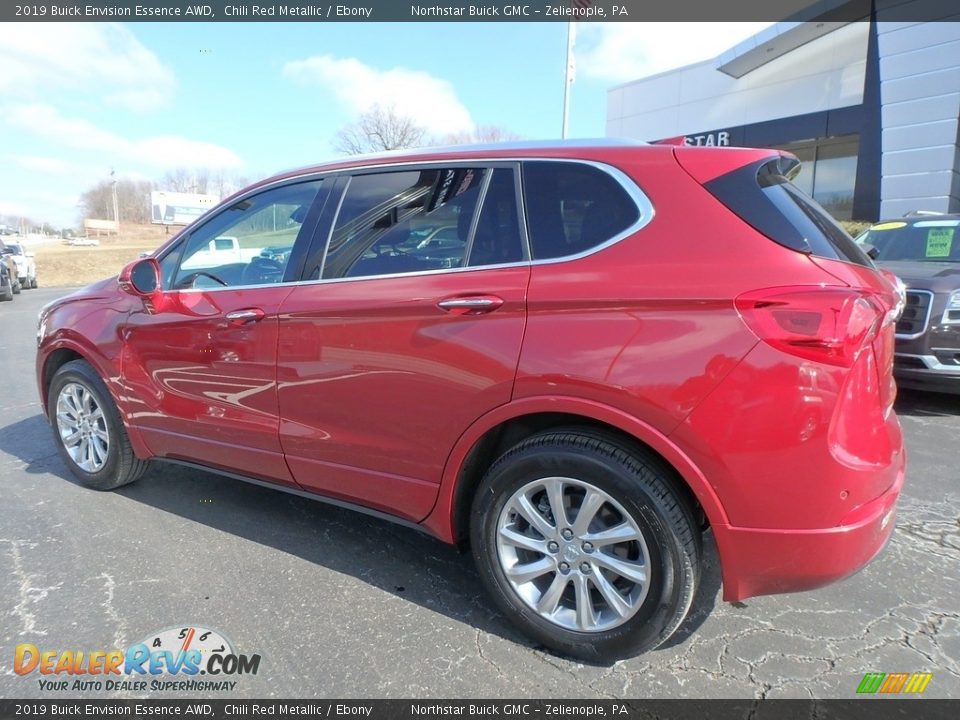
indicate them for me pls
(82, 427)
(573, 554)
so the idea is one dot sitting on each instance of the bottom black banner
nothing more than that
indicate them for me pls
(859, 709)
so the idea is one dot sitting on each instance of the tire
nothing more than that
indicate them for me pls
(660, 558)
(6, 293)
(106, 461)
(17, 288)
(33, 284)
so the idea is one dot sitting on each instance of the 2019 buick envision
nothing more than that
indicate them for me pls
(620, 346)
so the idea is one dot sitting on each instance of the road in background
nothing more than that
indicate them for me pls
(342, 605)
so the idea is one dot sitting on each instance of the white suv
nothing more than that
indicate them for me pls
(25, 262)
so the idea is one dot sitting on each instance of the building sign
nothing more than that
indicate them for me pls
(172, 208)
(717, 138)
(721, 138)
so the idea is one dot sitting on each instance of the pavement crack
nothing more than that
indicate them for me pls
(28, 594)
(110, 586)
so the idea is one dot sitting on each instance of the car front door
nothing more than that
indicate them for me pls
(200, 367)
(397, 343)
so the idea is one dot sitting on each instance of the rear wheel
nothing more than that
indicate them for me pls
(87, 429)
(16, 287)
(6, 292)
(585, 545)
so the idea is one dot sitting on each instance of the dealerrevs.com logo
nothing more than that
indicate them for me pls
(169, 660)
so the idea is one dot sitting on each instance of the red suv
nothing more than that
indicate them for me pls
(613, 348)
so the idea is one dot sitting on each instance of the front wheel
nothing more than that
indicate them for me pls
(585, 545)
(87, 429)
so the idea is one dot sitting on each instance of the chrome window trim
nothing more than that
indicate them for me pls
(926, 320)
(646, 214)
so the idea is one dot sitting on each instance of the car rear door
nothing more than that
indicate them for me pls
(390, 349)
(201, 366)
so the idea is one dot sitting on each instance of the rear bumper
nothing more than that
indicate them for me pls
(761, 561)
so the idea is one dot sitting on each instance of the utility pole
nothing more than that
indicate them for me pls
(116, 207)
(569, 75)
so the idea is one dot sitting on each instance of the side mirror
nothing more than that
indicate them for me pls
(871, 251)
(141, 277)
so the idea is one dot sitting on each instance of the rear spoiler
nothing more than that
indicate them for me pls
(706, 164)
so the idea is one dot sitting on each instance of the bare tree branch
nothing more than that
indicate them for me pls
(379, 129)
(480, 134)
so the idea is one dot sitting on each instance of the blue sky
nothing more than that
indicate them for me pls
(77, 99)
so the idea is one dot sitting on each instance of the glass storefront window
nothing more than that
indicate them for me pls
(829, 172)
(836, 177)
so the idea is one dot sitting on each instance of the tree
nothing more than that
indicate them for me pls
(379, 129)
(186, 180)
(133, 200)
(481, 134)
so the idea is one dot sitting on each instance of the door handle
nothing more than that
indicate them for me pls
(243, 317)
(472, 305)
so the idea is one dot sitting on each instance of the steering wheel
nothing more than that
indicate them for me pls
(190, 279)
(262, 270)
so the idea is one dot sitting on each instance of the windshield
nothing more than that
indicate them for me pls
(922, 241)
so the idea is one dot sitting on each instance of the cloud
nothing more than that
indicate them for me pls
(165, 151)
(430, 101)
(103, 61)
(620, 52)
(45, 165)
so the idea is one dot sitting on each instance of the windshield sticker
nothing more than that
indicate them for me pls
(939, 241)
(888, 226)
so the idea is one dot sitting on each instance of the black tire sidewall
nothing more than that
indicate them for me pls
(80, 372)
(642, 631)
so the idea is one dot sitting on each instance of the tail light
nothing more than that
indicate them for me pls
(826, 324)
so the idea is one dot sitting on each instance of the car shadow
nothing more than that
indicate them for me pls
(923, 403)
(393, 558)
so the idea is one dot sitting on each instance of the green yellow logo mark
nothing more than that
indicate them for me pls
(891, 683)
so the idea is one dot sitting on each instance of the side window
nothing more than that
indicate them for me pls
(572, 207)
(247, 243)
(497, 237)
(406, 221)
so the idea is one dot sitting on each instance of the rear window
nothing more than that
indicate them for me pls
(921, 241)
(762, 196)
(573, 207)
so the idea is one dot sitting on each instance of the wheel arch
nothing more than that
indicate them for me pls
(509, 424)
(66, 349)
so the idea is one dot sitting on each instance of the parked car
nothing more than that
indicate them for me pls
(923, 250)
(24, 260)
(6, 282)
(635, 344)
(7, 259)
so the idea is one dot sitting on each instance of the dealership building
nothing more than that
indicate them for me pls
(871, 107)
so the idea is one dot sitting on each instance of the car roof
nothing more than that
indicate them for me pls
(518, 149)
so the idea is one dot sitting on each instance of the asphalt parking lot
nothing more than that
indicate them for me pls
(342, 605)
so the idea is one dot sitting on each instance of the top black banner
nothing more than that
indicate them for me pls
(459, 11)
